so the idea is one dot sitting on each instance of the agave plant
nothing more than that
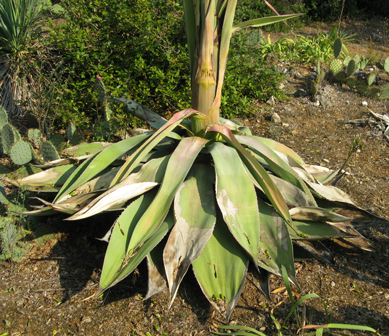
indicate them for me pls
(20, 25)
(201, 190)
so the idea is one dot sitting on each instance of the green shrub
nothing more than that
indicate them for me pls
(139, 49)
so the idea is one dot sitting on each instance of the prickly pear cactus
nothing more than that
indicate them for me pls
(21, 153)
(341, 77)
(351, 67)
(3, 196)
(386, 65)
(35, 136)
(70, 130)
(337, 47)
(371, 79)
(346, 61)
(49, 152)
(100, 89)
(351, 82)
(373, 92)
(312, 87)
(357, 60)
(363, 90)
(9, 135)
(3, 117)
(76, 139)
(335, 66)
(385, 92)
(57, 139)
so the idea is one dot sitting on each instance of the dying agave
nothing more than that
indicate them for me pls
(201, 190)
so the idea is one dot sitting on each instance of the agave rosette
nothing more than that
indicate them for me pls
(221, 201)
(201, 190)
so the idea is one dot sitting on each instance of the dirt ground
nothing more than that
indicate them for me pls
(50, 292)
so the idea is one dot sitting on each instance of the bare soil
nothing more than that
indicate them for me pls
(50, 292)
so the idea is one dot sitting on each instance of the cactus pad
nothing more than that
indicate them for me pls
(363, 90)
(8, 137)
(49, 152)
(385, 92)
(100, 89)
(357, 60)
(341, 77)
(346, 60)
(21, 153)
(35, 136)
(373, 93)
(336, 65)
(371, 79)
(337, 47)
(351, 67)
(351, 82)
(76, 139)
(386, 65)
(3, 117)
(3, 196)
(70, 130)
(57, 139)
(312, 87)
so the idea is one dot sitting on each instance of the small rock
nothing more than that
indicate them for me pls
(325, 160)
(285, 125)
(332, 284)
(364, 103)
(86, 319)
(275, 118)
(324, 102)
(271, 101)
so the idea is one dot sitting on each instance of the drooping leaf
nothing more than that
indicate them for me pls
(136, 184)
(141, 253)
(178, 167)
(275, 244)
(97, 163)
(194, 208)
(86, 148)
(257, 171)
(156, 272)
(149, 144)
(276, 164)
(221, 269)
(236, 197)
(264, 21)
(315, 230)
(316, 214)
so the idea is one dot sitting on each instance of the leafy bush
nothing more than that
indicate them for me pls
(139, 49)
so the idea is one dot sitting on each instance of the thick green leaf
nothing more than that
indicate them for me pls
(141, 253)
(52, 177)
(97, 163)
(257, 171)
(264, 21)
(293, 196)
(279, 147)
(236, 197)
(275, 245)
(143, 150)
(86, 148)
(315, 230)
(121, 233)
(178, 167)
(276, 164)
(194, 208)
(221, 269)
